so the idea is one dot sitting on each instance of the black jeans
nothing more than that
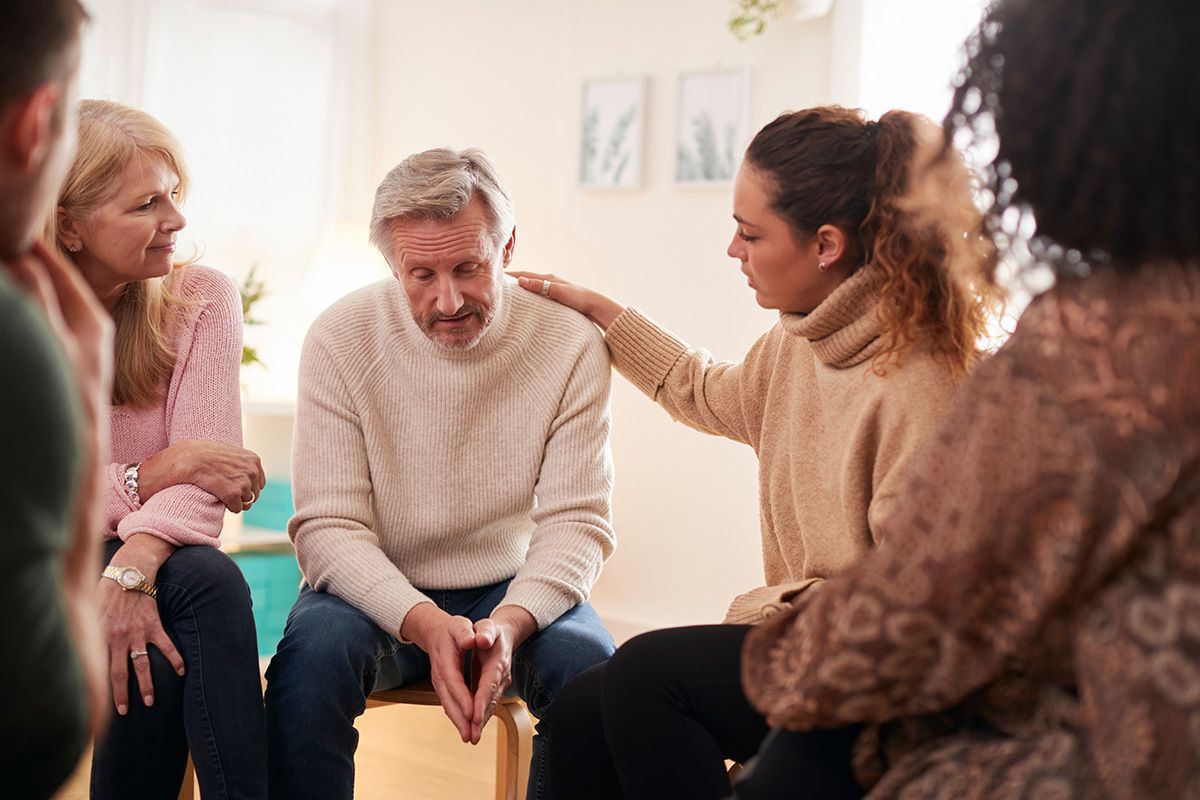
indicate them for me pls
(659, 719)
(808, 764)
(215, 711)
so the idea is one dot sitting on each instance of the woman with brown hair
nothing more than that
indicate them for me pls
(176, 610)
(874, 336)
(1031, 626)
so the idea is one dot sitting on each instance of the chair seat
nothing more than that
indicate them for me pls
(514, 745)
(420, 693)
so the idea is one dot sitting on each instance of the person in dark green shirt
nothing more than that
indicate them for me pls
(55, 359)
(43, 722)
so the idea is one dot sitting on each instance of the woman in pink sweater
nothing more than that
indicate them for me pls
(182, 645)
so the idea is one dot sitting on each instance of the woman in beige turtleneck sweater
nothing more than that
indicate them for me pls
(873, 338)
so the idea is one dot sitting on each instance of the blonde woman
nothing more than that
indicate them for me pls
(182, 646)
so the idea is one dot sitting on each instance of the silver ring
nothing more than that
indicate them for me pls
(546, 288)
(135, 654)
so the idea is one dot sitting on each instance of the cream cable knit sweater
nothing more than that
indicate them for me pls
(833, 438)
(419, 466)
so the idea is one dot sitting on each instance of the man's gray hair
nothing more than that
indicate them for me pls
(438, 184)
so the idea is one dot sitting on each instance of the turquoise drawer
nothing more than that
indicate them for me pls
(273, 508)
(274, 580)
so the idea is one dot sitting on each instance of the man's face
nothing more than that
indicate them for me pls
(450, 270)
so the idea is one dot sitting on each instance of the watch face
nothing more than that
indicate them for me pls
(129, 578)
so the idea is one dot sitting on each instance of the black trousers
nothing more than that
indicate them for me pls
(806, 764)
(659, 719)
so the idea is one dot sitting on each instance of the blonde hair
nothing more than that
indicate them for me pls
(111, 136)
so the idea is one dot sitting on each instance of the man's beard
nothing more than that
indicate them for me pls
(455, 341)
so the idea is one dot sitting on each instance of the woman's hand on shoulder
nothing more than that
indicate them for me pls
(597, 307)
(232, 474)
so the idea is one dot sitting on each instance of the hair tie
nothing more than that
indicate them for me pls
(871, 128)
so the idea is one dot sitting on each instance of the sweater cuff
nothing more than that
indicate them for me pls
(544, 602)
(642, 351)
(762, 603)
(180, 538)
(388, 603)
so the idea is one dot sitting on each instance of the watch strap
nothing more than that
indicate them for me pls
(113, 573)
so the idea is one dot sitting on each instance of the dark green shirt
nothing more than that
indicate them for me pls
(43, 716)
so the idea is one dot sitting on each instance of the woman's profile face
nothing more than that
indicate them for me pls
(782, 271)
(131, 237)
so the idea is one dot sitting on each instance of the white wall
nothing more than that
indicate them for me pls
(507, 76)
(686, 504)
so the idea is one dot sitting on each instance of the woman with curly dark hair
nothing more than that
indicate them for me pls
(874, 336)
(1031, 627)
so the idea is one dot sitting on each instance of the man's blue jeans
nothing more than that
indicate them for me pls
(333, 656)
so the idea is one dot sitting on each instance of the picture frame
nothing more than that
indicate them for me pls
(712, 125)
(613, 133)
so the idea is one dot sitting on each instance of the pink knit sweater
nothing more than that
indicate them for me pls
(200, 401)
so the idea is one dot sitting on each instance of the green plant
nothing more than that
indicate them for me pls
(750, 17)
(252, 290)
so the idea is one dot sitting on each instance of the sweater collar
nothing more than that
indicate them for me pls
(491, 339)
(844, 329)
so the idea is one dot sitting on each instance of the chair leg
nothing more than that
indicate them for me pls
(514, 748)
(187, 791)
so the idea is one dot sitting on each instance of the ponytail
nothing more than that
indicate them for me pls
(916, 238)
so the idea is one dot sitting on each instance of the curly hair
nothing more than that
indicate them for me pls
(1097, 117)
(829, 165)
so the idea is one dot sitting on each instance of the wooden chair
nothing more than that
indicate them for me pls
(187, 791)
(514, 745)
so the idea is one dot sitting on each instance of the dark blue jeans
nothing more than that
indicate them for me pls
(214, 711)
(333, 656)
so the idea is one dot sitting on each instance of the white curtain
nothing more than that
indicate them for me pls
(271, 100)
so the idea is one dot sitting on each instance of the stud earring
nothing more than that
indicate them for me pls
(73, 248)
(822, 266)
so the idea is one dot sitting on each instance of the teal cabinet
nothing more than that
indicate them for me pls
(274, 580)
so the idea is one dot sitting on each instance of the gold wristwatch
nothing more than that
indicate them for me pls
(130, 579)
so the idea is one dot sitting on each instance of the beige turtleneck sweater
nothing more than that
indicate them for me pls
(832, 436)
(419, 466)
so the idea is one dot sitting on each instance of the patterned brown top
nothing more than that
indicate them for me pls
(1030, 625)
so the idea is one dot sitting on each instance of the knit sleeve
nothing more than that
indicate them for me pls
(764, 602)
(993, 527)
(574, 534)
(203, 402)
(333, 528)
(720, 398)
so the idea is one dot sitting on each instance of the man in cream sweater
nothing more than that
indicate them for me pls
(452, 479)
